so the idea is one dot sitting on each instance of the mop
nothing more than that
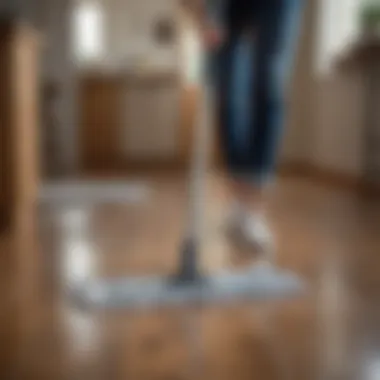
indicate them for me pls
(189, 286)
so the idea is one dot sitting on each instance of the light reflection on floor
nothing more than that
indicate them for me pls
(78, 254)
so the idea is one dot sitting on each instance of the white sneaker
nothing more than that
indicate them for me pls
(251, 230)
(257, 233)
(236, 217)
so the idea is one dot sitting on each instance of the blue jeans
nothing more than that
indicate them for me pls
(253, 68)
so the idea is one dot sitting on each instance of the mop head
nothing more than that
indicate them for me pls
(259, 283)
(88, 192)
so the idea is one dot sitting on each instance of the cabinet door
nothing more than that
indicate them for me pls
(100, 124)
(151, 126)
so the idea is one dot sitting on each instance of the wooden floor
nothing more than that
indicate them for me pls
(330, 237)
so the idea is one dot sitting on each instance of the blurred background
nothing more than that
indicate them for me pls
(97, 110)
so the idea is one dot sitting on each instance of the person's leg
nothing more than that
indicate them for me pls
(240, 115)
(234, 74)
(229, 131)
(277, 33)
(276, 36)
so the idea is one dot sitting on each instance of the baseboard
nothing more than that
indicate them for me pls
(172, 167)
(295, 169)
(330, 177)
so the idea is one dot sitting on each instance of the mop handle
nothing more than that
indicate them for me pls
(199, 160)
(201, 138)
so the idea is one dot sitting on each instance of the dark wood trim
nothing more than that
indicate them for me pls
(330, 177)
(5, 219)
(324, 176)
(19, 172)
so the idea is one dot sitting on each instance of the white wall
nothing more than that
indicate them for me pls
(298, 137)
(337, 28)
(128, 33)
(338, 142)
(338, 127)
(326, 125)
(129, 26)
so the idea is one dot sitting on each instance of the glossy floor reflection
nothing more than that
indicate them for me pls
(330, 237)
